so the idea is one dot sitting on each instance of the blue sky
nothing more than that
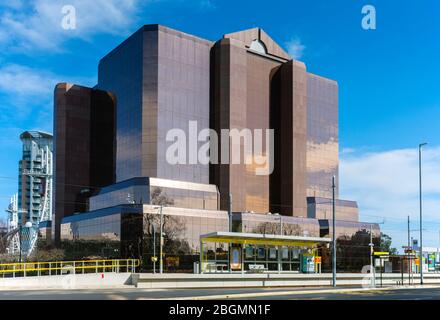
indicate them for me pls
(389, 88)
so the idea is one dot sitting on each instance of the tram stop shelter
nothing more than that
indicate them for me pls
(253, 252)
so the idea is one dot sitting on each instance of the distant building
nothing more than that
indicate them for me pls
(35, 177)
(34, 201)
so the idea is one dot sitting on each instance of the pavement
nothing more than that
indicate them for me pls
(323, 293)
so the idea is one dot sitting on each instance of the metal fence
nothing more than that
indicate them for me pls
(26, 269)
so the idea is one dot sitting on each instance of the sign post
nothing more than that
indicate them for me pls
(383, 256)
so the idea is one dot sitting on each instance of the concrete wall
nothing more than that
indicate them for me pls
(144, 280)
(269, 280)
(68, 281)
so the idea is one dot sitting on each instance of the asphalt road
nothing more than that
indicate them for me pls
(400, 294)
(250, 294)
(129, 293)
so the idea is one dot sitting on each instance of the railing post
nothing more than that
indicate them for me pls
(83, 267)
(24, 269)
(74, 268)
(50, 268)
(96, 270)
(13, 273)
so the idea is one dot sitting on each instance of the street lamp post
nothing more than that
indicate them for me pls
(229, 229)
(420, 203)
(20, 228)
(230, 212)
(154, 249)
(334, 231)
(372, 270)
(161, 242)
(408, 255)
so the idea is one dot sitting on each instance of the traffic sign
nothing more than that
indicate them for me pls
(381, 253)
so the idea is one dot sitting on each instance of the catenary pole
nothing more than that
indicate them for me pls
(334, 232)
(420, 204)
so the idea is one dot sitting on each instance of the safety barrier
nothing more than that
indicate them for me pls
(68, 267)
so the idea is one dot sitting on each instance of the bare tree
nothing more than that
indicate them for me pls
(173, 228)
(274, 228)
(3, 223)
(160, 198)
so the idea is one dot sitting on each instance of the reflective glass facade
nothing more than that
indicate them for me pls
(84, 147)
(45, 231)
(272, 224)
(121, 72)
(322, 208)
(353, 239)
(183, 229)
(108, 233)
(123, 231)
(161, 79)
(260, 90)
(133, 231)
(144, 190)
(322, 136)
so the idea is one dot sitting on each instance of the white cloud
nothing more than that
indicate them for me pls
(28, 92)
(21, 81)
(37, 25)
(295, 48)
(385, 184)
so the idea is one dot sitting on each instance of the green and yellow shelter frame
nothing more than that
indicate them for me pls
(240, 240)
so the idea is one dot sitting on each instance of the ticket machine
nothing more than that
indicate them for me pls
(308, 263)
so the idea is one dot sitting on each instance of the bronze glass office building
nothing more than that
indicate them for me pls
(160, 79)
(84, 145)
